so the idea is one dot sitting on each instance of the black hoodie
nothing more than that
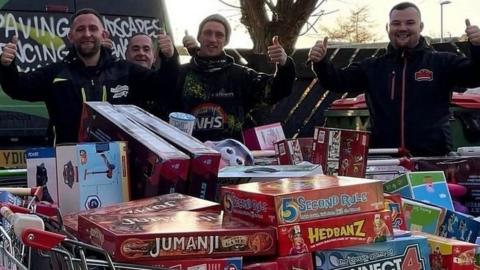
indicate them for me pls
(408, 94)
(64, 86)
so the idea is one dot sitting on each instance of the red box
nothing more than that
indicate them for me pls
(176, 235)
(234, 263)
(293, 262)
(168, 202)
(156, 166)
(204, 161)
(341, 151)
(288, 152)
(306, 145)
(336, 232)
(291, 200)
(263, 137)
(393, 203)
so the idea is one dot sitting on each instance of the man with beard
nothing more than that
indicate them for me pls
(88, 73)
(408, 89)
(220, 93)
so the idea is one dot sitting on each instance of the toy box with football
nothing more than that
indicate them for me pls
(341, 151)
(42, 171)
(450, 254)
(411, 252)
(429, 187)
(393, 202)
(204, 161)
(288, 152)
(291, 200)
(157, 167)
(334, 232)
(263, 137)
(92, 175)
(166, 202)
(232, 263)
(293, 262)
(176, 235)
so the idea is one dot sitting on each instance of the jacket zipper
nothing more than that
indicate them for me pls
(402, 109)
(392, 87)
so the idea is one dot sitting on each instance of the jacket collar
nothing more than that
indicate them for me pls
(211, 64)
(401, 53)
(106, 57)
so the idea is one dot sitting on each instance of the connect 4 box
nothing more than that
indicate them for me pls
(404, 253)
(176, 235)
(430, 187)
(341, 151)
(291, 200)
(157, 167)
(334, 232)
(204, 161)
(91, 175)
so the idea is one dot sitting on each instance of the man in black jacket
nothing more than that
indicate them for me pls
(88, 73)
(408, 89)
(220, 93)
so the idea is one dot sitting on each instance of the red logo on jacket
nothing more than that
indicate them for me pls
(424, 75)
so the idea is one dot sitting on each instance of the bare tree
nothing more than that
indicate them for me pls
(356, 28)
(283, 18)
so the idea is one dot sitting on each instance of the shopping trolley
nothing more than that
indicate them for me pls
(42, 242)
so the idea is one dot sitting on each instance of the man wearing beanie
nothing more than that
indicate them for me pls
(220, 93)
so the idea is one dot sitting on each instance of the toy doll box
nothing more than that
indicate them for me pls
(292, 200)
(341, 151)
(450, 254)
(176, 235)
(430, 187)
(92, 175)
(232, 263)
(335, 232)
(157, 167)
(167, 202)
(403, 253)
(204, 161)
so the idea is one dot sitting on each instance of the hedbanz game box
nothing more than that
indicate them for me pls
(204, 161)
(176, 235)
(156, 166)
(334, 232)
(292, 200)
(167, 202)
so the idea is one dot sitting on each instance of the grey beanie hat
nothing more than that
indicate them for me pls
(216, 18)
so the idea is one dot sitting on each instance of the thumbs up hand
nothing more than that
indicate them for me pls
(9, 52)
(276, 52)
(165, 44)
(318, 51)
(473, 33)
(189, 42)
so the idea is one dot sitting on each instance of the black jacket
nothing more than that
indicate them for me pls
(408, 94)
(220, 93)
(64, 86)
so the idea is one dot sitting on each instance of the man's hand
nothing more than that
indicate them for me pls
(165, 44)
(189, 42)
(276, 52)
(9, 52)
(473, 33)
(107, 43)
(318, 51)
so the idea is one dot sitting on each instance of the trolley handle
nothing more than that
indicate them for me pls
(16, 208)
(20, 191)
(41, 240)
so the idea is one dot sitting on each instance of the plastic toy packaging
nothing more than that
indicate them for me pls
(233, 152)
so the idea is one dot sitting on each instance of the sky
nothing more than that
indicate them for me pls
(187, 14)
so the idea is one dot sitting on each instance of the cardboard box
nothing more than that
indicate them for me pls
(306, 145)
(410, 252)
(92, 175)
(42, 171)
(393, 203)
(450, 254)
(292, 200)
(157, 167)
(341, 151)
(8, 198)
(263, 137)
(204, 161)
(334, 232)
(288, 152)
(293, 262)
(429, 187)
(233, 263)
(176, 235)
(168, 202)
